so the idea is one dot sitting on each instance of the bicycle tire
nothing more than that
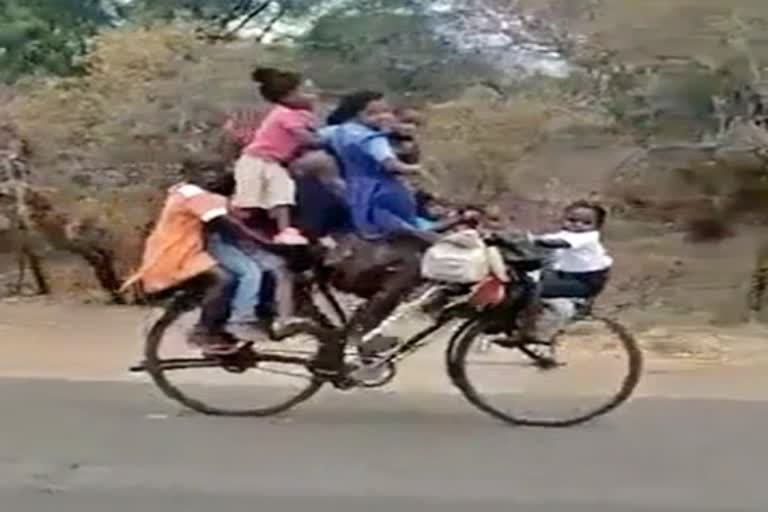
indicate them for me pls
(457, 371)
(153, 364)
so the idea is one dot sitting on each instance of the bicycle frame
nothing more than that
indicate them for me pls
(480, 315)
(335, 342)
(459, 309)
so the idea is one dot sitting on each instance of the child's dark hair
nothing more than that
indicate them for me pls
(192, 167)
(423, 200)
(601, 214)
(351, 105)
(409, 114)
(209, 172)
(275, 84)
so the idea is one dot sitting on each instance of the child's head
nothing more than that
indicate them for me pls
(384, 120)
(494, 218)
(368, 107)
(583, 216)
(283, 87)
(433, 208)
(410, 116)
(428, 206)
(209, 174)
(318, 164)
(378, 114)
(403, 125)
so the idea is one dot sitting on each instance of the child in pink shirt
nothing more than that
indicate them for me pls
(261, 172)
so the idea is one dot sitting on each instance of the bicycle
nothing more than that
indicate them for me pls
(495, 324)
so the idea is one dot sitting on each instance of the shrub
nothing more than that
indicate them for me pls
(475, 145)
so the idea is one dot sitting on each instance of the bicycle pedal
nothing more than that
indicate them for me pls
(239, 347)
(367, 373)
(373, 376)
(330, 372)
(141, 367)
(549, 364)
(325, 372)
(339, 378)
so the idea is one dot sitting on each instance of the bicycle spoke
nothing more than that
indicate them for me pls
(595, 369)
(257, 380)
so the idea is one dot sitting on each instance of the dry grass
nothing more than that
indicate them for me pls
(152, 95)
(641, 31)
(156, 95)
(109, 142)
(476, 145)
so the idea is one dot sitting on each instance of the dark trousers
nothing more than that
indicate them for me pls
(219, 286)
(576, 285)
(383, 272)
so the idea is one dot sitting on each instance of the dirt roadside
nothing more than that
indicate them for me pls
(73, 341)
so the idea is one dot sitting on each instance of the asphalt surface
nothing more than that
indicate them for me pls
(113, 447)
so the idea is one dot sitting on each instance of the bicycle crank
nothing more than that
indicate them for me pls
(373, 375)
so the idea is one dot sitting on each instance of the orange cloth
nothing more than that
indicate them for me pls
(175, 250)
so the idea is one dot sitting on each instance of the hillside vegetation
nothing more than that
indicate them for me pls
(107, 130)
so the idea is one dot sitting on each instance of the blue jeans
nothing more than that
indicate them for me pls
(573, 285)
(248, 273)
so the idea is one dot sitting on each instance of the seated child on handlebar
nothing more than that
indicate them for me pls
(580, 269)
(581, 263)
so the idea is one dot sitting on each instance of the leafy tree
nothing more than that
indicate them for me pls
(48, 36)
(390, 44)
(218, 11)
(221, 19)
(39, 37)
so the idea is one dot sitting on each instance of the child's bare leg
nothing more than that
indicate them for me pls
(552, 318)
(284, 296)
(282, 216)
(286, 322)
(285, 233)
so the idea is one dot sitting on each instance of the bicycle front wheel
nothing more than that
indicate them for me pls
(260, 380)
(591, 368)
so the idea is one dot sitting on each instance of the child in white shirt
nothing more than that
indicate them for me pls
(581, 263)
(579, 271)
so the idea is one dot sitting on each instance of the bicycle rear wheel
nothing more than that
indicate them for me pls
(262, 379)
(591, 368)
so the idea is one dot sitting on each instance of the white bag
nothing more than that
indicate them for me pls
(458, 258)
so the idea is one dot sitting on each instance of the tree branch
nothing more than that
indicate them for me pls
(271, 24)
(255, 10)
(237, 10)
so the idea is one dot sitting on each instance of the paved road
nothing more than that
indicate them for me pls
(96, 447)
